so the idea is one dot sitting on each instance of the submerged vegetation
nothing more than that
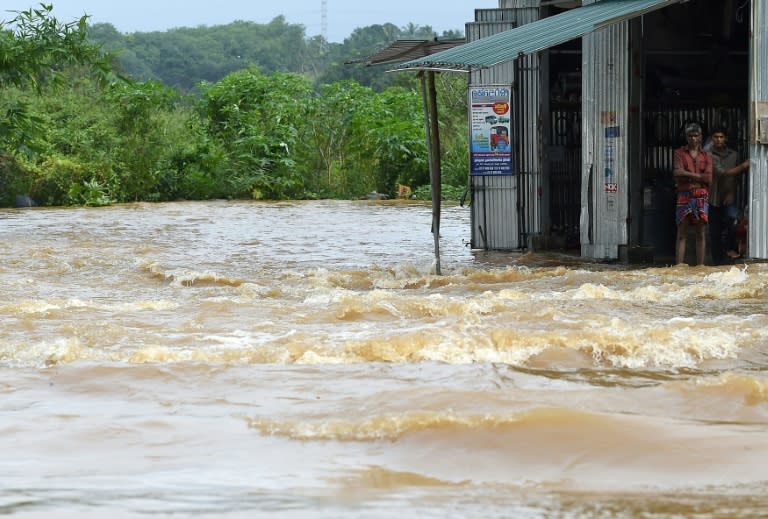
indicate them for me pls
(89, 116)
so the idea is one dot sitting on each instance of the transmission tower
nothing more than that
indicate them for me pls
(324, 19)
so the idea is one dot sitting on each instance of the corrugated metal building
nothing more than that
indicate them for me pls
(601, 90)
(758, 132)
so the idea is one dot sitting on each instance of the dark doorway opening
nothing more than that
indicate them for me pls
(564, 145)
(695, 59)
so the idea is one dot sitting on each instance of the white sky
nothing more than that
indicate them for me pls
(343, 16)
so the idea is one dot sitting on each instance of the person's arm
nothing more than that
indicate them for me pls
(679, 170)
(706, 176)
(737, 169)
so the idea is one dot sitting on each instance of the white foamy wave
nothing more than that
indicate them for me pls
(472, 354)
(29, 307)
(46, 353)
(381, 427)
(142, 305)
(181, 277)
(752, 388)
(732, 276)
(251, 291)
(188, 278)
(42, 307)
(731, 284)
(322, 297)
(680, 342)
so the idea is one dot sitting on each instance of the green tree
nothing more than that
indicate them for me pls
(358, 140)
(132, 141)
(327, 139)
(258, 118)
(36, 47)
(454, 128)
(183, 57)
(400, 143)
(348, 59)
(77, 146)
(139, 111)
(249, 134)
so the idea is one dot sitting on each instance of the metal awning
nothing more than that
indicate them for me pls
(535, 36)
(404, 50)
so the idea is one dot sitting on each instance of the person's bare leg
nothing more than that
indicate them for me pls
(701, 242)
(682, 237)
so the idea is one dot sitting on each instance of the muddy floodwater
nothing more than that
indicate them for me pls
(302, 360)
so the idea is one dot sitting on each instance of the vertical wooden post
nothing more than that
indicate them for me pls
(429, 97)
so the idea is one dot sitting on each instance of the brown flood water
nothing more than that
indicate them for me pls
(245, 359)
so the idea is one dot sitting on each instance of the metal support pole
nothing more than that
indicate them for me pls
(429, 97)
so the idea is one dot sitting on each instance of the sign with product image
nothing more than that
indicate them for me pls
(490, 138)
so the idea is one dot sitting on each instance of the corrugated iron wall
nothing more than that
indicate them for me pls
(506, 210)
(758, 174)
(528, 105)
(605, 179)
(529, 173)
(494, 217)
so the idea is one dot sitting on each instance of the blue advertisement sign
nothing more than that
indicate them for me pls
(490, 148)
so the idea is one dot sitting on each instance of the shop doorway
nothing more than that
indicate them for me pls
(695, 62)
(564, 145)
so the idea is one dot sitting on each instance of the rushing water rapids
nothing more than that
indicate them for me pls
(236, 359)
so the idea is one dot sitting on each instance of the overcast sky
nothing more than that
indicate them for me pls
(343, 16)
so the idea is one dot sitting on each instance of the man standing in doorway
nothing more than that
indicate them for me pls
(723, 214)
(693, 174)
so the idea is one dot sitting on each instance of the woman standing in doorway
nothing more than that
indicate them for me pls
(693, 174)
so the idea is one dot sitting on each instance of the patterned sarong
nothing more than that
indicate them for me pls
(694, 203)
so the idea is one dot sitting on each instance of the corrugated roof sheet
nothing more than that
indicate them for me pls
(536, 36)
(404, 50)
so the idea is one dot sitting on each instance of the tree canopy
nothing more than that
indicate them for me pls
(34, 45)
(183, 57)
(35, 48)
(236, 111)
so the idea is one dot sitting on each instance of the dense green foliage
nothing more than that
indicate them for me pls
(34, 48)
(258, 123)
(183, 57)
